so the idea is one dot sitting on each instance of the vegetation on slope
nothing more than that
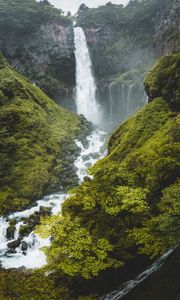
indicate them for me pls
(117, 16)
(36, 142)
(132, 203)
(24, 17)
(164, 81)
(34, 285)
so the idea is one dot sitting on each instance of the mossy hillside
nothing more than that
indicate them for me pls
(23, 285)
(124, 194)
(36, 142)
(125, 207)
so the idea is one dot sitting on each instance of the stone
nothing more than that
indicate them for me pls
(24, 246)
(15, 244)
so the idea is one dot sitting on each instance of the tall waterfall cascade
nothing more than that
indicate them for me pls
(85, 84)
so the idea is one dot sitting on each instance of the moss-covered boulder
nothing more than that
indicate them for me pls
(36, 141)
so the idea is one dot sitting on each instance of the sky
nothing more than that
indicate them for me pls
(73, 5)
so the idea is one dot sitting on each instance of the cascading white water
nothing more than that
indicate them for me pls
(111, 101)
(85, 84)
(33, 257)
(129, 99)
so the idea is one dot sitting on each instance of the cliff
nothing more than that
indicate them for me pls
(39, 43)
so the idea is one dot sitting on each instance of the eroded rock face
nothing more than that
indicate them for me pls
(46, 57)
(167, 30)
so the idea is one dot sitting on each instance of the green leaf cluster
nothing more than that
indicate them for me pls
(76, 252)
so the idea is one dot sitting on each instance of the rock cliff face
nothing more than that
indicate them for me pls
(167, 30)
(45, 56)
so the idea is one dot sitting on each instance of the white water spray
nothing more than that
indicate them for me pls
(111, 101)
(85, 84)
(129, 99)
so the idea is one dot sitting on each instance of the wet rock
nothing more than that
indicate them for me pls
(86, 144)
(85, 157)
(15, 244)
(45, 211)
(32, 205)
(88, 165)
(11, 230)
(24, 230)
(11, 251)
(24, 246)
(95, 155)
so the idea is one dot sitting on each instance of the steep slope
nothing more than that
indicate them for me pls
(36, 142)
(132, 203)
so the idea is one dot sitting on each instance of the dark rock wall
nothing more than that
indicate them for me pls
(167, 30)
(46, 57)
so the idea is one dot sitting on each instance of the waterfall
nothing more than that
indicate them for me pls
(85, 83)
(111, 101)
(129, 99)
(123, 101)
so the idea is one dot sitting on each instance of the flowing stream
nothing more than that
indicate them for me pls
(28, 251)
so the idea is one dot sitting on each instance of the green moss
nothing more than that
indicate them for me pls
(164, 80)
(33, 134)
(23, 285)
